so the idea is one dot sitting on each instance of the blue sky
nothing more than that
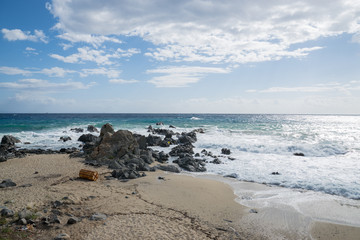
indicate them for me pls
(191, 56)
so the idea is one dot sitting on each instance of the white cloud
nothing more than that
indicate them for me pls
(55, 72)
(14, 71)
(110, 73)
(122, 81)
(39, 84)
(52, 72)
(95, 40)
(17, 34)
(30, 49)
(214, 31)
(174, 76)
(98, 56)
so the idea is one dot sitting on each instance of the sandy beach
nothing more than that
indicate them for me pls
(160, 205)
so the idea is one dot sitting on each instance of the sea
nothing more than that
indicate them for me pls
(260, 144)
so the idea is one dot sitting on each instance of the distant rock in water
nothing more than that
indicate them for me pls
(77, 130)
(91, 128)
(65, 138)
(225, 151)
(299, 154)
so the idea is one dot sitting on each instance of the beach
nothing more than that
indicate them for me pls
(160, 205)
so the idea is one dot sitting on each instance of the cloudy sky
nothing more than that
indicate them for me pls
(189, 56)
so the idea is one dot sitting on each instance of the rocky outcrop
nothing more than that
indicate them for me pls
(86, 138)
(91, 128)
(65, 138)
(114, 145)
(190, 163)
(9, 140)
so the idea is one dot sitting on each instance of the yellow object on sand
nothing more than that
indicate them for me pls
(88, 174)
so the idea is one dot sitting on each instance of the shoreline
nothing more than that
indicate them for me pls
(178, 206)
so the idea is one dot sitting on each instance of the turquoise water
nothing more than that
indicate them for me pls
(260, 143)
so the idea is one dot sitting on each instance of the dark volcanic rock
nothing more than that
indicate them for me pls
(125, 173)
(91, 128)
(152, 140)
(5, 212)
(190, 137)
(182, 149)
(65, 138)
(77, 130)
(73, 220)
(7, 183)
(141, 140)
(114, 145)
(225, 151)
(216, 161)
(85, 138)
(299, 154)
(106, 129)
(9, 140)
(191, 164)
(162, 131)
(169, 168)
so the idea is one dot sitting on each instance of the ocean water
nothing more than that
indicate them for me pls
(260, 144)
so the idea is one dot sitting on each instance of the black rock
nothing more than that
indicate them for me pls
(166, 132)
(9, 140)
(7, 183)
(141, 140)
(91, 128)
(125, 173)
(86, 138)
(275, 173)
(186, 138)
(153, 140)
(216, 161)
(72, 220)
(169, 168)
(65, 138)
(159, 123)
(182, 149)
(171, 126)
(77, 130)
(191, 164)
(299, 154)
(225, 151)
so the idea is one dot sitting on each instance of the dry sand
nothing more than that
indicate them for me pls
(175, 207)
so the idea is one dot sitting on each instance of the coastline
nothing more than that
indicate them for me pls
(174, 206)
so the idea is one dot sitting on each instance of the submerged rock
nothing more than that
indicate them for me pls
(225, 151)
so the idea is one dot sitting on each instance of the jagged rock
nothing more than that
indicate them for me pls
(162, 131)
(9, 140)
(91, 128)
(182, 149)
(159, 123)
(150, 128)
(65, 138)
(141, 140)
(7, 183)
(191, 164)
(85, 138)
(169, 168)
(152, 140)
(125, 173)
(114, 145)
(106, 129)
(216, 161)
(62, 236)
(275, 173)
(171, 126)
(147, 156)
(77, 130)
(225, 151)
(185, 138)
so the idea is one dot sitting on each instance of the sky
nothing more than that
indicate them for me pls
(189, 56)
